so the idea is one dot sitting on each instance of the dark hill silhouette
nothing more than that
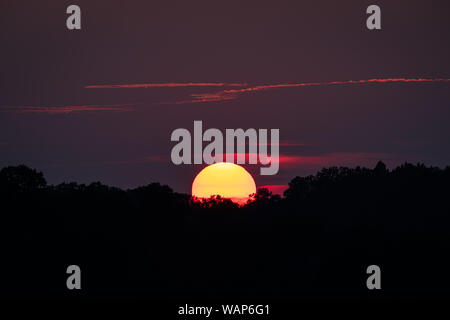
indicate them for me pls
(316, 241)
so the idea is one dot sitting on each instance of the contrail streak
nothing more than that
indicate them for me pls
(165, 85)
(68, 109)
(309, 84)
(231, 94)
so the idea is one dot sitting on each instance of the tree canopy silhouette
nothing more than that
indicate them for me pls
(21, 178)
(315, 241)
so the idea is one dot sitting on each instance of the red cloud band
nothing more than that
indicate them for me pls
(68, 109)
(231, 94)
(166, 85)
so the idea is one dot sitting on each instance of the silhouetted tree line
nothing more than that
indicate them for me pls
(315, 241)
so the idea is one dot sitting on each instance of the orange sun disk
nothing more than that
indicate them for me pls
(227, 180)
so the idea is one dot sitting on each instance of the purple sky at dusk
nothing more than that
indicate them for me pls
(100, 104)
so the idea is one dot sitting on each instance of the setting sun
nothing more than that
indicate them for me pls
(225, 179)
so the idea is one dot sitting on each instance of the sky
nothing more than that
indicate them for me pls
(100, 103)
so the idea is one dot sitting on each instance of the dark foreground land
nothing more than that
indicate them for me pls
(315, 242)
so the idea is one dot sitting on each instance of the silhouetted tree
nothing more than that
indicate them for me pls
(316, 241)
(21, 178)
(263, 197)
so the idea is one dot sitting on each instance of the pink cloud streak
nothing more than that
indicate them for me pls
(298, 161)
(68, 109)
(165, 85)
(231, 94)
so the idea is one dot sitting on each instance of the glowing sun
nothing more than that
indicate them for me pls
(227, 180)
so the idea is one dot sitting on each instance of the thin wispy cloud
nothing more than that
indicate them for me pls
(165, 85)
(231, 94)
(324, 160)
(349, 82)
(285, 143)
(204, 97)
(335, 159)
(299, 161)
(222, 95)
(69, 109)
